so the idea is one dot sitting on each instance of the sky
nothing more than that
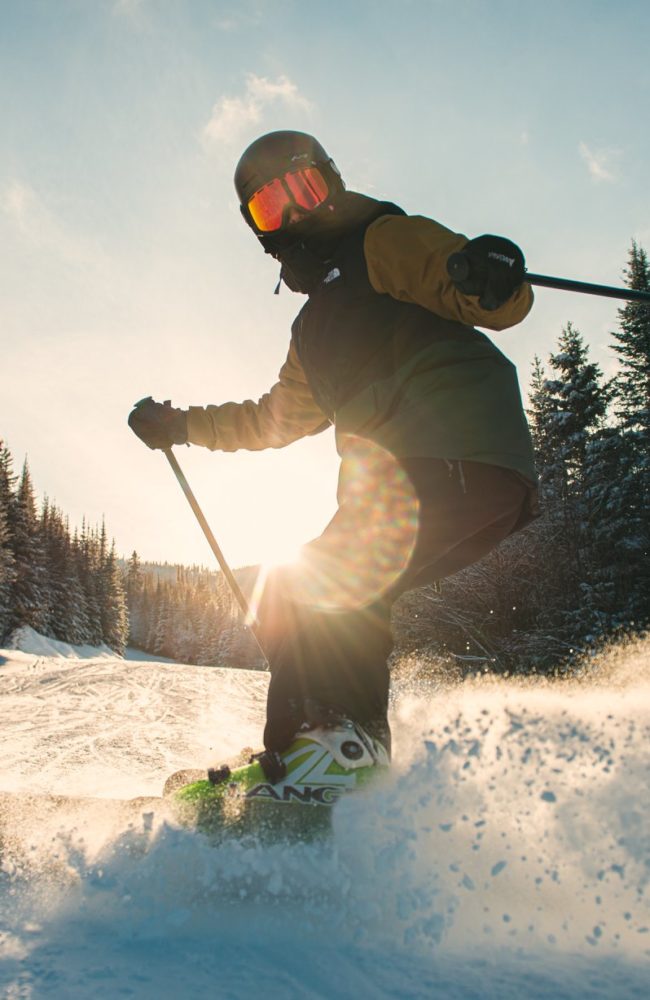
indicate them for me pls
(127, 271)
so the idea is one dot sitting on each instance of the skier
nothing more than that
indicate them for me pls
(437, 462)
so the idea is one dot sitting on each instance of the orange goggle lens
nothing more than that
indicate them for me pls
(305, 188)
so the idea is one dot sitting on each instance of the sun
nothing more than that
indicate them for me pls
(280, 552)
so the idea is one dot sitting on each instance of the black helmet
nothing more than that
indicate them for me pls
(306, 176)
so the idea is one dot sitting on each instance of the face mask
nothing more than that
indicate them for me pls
(302, 270)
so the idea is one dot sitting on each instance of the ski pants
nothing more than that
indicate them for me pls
(325, 621)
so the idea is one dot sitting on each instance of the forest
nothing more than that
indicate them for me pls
(62, 583)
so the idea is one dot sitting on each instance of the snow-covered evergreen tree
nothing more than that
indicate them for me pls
(7, 561)
(114, 613)
(577, 402)
(630, 498)
(74, 609)
(30, 596)
(632, 346)
(7, 571)
(567, 413)
(53, 538)
(613, 582)
(541, 417)
(134, 577)
(134, 587)
(160, 632)
(88, 570)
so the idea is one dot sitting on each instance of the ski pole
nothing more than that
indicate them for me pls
(458, 269)
(237, 592)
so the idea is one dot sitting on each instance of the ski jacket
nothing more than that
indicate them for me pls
(385, 348)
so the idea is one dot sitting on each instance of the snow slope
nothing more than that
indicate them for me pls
(507, 854)
(27, 640)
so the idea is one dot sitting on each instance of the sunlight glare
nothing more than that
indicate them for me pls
(280, 551)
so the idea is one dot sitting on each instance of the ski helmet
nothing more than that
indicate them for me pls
(280, 170)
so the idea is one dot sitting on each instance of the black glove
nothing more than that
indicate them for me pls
(495, 268)
(159, 425)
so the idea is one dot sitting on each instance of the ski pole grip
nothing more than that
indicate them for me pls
(458, 267)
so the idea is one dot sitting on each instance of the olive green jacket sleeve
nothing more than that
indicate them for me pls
(407, 259)
(284, 414)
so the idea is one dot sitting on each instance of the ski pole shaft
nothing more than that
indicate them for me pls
(569, 285)
(237, 592)
(458, 268)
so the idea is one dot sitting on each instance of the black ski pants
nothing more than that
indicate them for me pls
(325, 622)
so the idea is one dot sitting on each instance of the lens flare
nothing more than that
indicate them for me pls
(368, 543)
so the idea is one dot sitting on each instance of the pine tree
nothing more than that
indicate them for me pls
(7, 561)
(578, 402)
(549, 533)
(88, 570)
(632, 345)
(7, 572)
(114, 613)
(134, 587)
(53, 539)
(631, 499)
(134, 578)
(30, 598)
(541, 415)
(161, 641)
(209, 634)
(606, 487)
(78, 615)
(74, 609)
(565, 597)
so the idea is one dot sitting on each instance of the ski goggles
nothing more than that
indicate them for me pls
(306, 189)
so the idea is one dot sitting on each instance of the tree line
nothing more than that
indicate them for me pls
(71, 586)
(64, 584)
(188, 614)
(580, 574)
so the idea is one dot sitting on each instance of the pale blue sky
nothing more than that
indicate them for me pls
(125, 269)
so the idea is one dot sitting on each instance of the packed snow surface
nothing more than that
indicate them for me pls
(507, 853)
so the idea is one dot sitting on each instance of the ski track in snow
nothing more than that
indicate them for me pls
(507, 854)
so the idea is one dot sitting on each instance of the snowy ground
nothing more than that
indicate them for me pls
(507, 855)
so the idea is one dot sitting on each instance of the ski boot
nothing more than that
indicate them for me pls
(289, 793)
